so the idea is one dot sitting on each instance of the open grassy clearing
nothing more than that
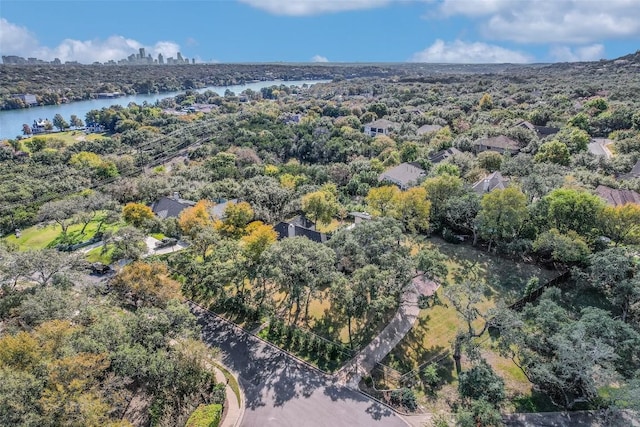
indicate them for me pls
(44, 236)
(67, 138)
(96, 255)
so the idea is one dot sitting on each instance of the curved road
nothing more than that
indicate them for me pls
(280, 391)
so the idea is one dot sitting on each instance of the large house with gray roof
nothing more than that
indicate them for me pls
(170, 207)
(499, 144)
(404, 175)
(380, 127)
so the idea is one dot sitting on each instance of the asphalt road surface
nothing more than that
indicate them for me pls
(280, 391)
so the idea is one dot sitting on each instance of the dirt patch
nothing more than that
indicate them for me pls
(137, 412)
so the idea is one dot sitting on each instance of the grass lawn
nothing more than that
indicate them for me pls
(96, 255)
(40, 237)
(69, 137)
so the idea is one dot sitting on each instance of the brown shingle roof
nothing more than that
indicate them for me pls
(501, 141)
(617, 197)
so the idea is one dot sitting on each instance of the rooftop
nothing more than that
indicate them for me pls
(617, 197)
(494, 181)
(404, 175)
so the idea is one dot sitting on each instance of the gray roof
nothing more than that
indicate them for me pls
(634, 173)
(541, 131)
(494, 181)
(403, 175)
(362, 215)
(382, 124)
(170, 207)
(444, 154)
(616, 197)
(501, 141)
(427, 129)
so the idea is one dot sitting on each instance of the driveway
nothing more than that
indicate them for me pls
(280, 391)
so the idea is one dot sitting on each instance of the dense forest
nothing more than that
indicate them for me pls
(66, 83)
(528, 174)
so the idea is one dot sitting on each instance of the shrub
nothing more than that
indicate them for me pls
(404, 397)
(430, 375)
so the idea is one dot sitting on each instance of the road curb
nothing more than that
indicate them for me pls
(333, 377)
(275, 347)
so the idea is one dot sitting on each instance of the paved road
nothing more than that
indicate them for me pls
(282, 392)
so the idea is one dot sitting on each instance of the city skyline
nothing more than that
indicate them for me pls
(440, 31)
(140, 58)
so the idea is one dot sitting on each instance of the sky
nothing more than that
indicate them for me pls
(232, 31)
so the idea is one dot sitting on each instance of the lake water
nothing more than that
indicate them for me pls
(11, 121)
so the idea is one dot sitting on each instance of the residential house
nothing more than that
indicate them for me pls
(494, 181)
(540, 131)
(404, 175)
(428, 129)
(499, 144)
(634, 173)
(615, 197)
(443, 155)
(91, 127)
(170, 207)
(41, 126)
(27, 98)
(300, 227)
(380, 127)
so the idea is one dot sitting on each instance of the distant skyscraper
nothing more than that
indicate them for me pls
(180, 59)
(160, 59)
(143, 55)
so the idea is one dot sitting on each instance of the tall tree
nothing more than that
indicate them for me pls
(614, 272)
(137, 214)
(381, 199)
(569, 209)
(441, 189)
(502, 214)
(321, 205)
(62, 212)
(622, 223)
(412, 208)
(146, 284)
(60, 122)
(236, 218)
(195, 217)
(76, 122)
(300, 267)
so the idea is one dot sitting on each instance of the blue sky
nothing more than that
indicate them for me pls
(463, 31)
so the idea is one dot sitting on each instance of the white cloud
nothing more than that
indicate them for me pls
(584, 53)
(469, 53)
(313, 7)
(319, 58)
(551, 21)
(16, 40)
